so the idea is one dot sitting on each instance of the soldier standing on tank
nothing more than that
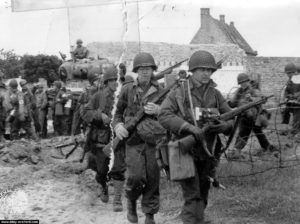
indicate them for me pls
(18, 107)
(97, 114)
(292, 94)
(80, 51)
(142, 171)
(42, 108)
(177, 116)
(251, 120)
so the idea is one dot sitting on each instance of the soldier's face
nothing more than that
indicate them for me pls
(144, 74)
(112, 84)
(202, 75)
(290, 74)
(244, 85)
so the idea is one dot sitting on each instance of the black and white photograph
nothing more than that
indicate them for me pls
(150, 111)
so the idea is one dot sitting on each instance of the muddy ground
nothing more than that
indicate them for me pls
(36, 182)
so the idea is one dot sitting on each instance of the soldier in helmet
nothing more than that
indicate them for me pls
(142, 171)
(253, 119)
(178, 115)
(18, 106)
(83, 99)
(80, 51)
(97, 113)
(292, 96)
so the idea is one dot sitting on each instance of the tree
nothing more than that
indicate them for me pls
(10, 63)
(41, 66)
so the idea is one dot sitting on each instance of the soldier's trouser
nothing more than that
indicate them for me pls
(119, 167)
(99, 162)
(296, 121)
(76, 122)
(142, 176)
(244, 133)
(195, 193)
(60, 124)
(43, 122)
(16, 125)
(36, 122)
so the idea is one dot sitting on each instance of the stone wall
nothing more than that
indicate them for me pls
(271, 70)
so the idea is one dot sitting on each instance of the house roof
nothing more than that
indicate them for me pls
(232, 34)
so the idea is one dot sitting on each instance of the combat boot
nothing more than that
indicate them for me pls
(149, 219)
(104, 193)
(117, 203)
(131, 211)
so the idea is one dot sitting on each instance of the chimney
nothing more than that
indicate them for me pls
(231, 23)
(222, 18)
(205, 18)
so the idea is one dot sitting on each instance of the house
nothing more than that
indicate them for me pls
(213, 31)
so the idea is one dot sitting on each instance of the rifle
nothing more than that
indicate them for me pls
(161, 74)
(130, 126)
(189, 141)
(79, 140)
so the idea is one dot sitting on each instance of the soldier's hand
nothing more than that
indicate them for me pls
(198, 133)
(222, 127)
(105, 119)
(121, 131)
(152, 108)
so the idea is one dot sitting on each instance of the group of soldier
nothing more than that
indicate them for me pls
(135, 169)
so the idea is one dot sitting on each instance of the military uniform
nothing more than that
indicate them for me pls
(42, 107)
(3, 91)
(142, 177)
(247, 122)
(178, 117)
(100, 133)
(22, 117)
(60, 117)
(292, 91)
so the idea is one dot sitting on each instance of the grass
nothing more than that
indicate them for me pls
(272, 197)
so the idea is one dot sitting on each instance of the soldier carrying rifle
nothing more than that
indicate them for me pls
(178, 115)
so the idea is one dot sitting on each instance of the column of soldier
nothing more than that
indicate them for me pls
(135, 166)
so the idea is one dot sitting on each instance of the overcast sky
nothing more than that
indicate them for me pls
(272, 27)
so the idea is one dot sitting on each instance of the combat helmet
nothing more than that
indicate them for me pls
(242, 77)
(290, 68)
(143, 59)
(202, 59)
(110, 73)
(13, 84)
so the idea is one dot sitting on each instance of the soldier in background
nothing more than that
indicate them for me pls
(97, 113)
(177, 116)
(30, 98)
(18, 108)
(292, 96)
(3, 91)
(142, 171)
(80, 51)
(42, 108)
(60, 117)
(253, 119)
(83, 99)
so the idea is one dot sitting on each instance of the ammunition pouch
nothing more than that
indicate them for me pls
(100, 135)
(181, 164)
(150, 130)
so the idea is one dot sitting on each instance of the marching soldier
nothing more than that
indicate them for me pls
(142, 171)
(292, 96)
(97, 113)
(253, 119)
(177, 115)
